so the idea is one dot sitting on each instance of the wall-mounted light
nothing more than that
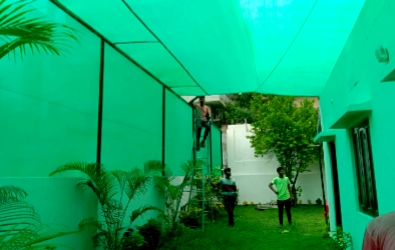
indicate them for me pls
(382, 55)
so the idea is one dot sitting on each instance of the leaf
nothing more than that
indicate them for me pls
(136, 183)
(48, 236)
(34, 33)
(138, 212)
(11, 193)
(152, 168)
(90, 222)
(102, 183)
(20, 226)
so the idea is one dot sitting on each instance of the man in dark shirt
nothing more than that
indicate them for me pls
(229, 194)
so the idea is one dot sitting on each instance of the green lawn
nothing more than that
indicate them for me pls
(258, 230)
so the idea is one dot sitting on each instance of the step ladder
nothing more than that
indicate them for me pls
(199, 188)
(200, 195)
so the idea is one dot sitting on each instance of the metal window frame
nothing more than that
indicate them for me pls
(367, 194)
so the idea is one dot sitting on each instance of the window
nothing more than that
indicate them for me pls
(365, 173)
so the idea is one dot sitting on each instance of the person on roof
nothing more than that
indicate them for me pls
(203, 121)
(380, 233)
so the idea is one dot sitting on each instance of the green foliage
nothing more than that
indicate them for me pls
(244, 99)
(213, 199)
(318, 201)
(20, 226)
(216, 175)
(239, 109)
(285, 130)
(191, 217)
(152, 232)
(174, 237)
(236, 114)
(171, 192)
(20, 32)
(340, 240)
(325, 231)
(299, 191)
(170, 239)
(132, 240)
(115, 190)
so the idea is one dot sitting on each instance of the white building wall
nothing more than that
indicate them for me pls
(253, 174)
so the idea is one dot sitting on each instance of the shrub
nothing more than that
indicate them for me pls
(152, 232)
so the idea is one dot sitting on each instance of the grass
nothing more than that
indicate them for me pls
(258, 230)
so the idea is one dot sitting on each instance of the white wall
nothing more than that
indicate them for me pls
(253, 174)
(223, 99)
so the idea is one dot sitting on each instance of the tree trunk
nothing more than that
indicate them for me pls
(294, 202)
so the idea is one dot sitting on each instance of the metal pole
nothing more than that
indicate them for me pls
(194, 136)
(163, 129)
(211, 146)
(100, 107)
(203, 199)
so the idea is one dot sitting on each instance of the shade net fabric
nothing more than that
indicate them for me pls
(207, 47)
(216, 147)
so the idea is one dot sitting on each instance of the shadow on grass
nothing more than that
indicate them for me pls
(258, 230)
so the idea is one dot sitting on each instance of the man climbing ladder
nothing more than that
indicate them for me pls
(202, 121)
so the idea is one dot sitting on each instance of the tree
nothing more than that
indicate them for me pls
(285, 130)
(18, 32)
(239, 110)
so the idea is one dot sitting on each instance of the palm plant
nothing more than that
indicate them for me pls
(114, 190)
(19, 32)
(173, 192)
(20, 226)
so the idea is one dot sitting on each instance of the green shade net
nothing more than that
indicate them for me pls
(210, 47)
(216, 147)
(132, 122)
(132, 126)
(49, 107)
(178, 137)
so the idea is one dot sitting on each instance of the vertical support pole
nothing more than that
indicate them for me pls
(221, 148)
(100, 109)
(163, 129)
(211, 147)
(322, 179)
(203, 199)
(193, 135)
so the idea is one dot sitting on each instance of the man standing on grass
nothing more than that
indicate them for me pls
(284, 195)
(229, 194)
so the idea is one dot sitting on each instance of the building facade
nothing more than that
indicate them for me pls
(357, 107)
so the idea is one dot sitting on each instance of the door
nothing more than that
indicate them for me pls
(336, 189)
